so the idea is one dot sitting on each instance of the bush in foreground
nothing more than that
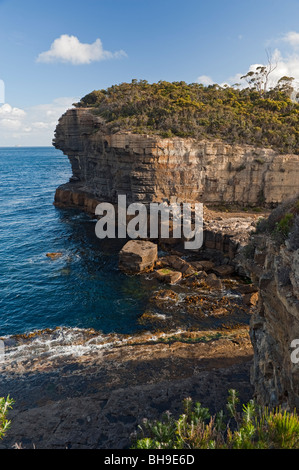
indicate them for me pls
(5, 405)
(253, 427)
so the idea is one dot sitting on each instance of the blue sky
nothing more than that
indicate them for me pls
(54, 52)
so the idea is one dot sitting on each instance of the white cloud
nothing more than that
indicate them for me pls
(40, 125)
(69, 49)
(205, 80)
(10, 124)
(11, 118)
(286, 64)
(8, 111)
(33, 126)
(292, 38)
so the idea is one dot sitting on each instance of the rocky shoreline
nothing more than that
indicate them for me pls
(96, 393)
(82, 389)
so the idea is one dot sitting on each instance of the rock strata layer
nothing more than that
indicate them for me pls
(148, 168)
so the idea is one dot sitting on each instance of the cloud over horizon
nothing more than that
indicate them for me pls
(68, 49)
(36, 123)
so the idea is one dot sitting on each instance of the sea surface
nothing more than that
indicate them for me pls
(81, 289)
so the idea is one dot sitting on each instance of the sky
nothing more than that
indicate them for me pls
(52, 53)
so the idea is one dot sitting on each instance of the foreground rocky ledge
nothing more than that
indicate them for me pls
(96, 390)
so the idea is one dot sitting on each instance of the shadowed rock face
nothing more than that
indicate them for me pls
(275, 323)
(148, 168)
(273, 328)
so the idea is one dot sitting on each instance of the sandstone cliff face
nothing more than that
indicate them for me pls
(276, 322)
(148, 168)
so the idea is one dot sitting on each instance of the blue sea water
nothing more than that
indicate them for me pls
(84, 287)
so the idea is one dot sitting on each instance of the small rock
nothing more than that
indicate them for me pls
(251, 299)
(247, 289)
(54, 255)
(212, 281)
(219, 311)
(160, 263)
(167, 295)
(178, 264)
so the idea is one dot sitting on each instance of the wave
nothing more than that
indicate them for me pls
(72, 343)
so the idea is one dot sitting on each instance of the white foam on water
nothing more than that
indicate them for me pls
(57, 343)
(63, 343)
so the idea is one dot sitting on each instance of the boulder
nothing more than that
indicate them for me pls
(178, 264)
(204, 265)
(138, 256)
(168, 276)
(224, 270)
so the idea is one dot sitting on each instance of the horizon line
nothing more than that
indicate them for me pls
(25, 146)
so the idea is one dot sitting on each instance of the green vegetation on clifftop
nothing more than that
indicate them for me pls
(241, 116)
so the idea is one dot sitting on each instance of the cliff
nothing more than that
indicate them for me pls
(273, 264)
(149, 168)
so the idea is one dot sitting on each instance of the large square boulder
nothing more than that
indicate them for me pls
(138, 256)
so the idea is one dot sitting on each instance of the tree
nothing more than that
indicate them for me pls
(259, 79)
(285, 85)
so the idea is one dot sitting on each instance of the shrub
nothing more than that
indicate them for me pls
(192, 110)
(282, 223)
(252, 427)
(5, 405)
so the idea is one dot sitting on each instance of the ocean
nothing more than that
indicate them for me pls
(81, 289)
